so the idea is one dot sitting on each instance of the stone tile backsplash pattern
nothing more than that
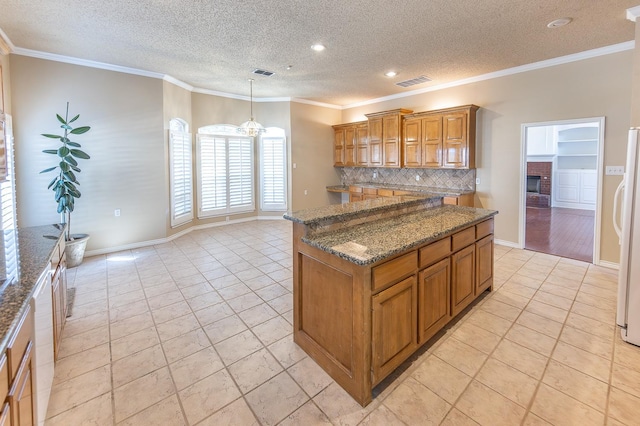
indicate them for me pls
(432, 178)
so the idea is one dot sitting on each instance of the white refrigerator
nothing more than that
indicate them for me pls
(627, 226)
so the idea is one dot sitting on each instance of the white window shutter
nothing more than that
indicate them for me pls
(181, 181)
(273, 173)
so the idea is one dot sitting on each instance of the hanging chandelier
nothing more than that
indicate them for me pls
(251, 128)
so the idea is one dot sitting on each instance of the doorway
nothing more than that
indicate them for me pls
(561, 188)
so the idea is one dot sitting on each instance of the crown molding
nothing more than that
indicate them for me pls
(6, 46)
(178, 83)
(320, 104)
(587, 54)
(633, 13)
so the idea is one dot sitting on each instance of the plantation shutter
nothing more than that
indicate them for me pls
(212, 171)
(181, 177)
(240, 175)
(273, 174)
(7, 203)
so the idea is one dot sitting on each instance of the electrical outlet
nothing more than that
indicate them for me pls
(477, 181)
(305, 192)
(116, 212)
(614, 170)
(375, 175)
(417, 178)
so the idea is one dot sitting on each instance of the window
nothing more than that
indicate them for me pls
(273, 170)
(225, 171)
(7, 203)
(180, 172)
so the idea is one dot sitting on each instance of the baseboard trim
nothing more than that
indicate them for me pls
(507, 243)
(610, 265)
(170, 238)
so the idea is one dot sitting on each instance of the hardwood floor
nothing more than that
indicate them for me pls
(562, 232)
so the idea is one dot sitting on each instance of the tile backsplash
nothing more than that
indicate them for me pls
(433, 178)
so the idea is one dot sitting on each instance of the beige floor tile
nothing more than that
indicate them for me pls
(129, 310)
(207, 396)
(118, 300)
(458, 418)
(310, 376)
(531, 278)
(340, 407)
(500, 309)
(531, 339)
(626, 379)
(286, 351)
(177, 327)
(624, 407)
(590, 343)
(130, 325)
(170, 312)
(244, 302)
(83, 341)
(591, 326)
(276, 399)
(507, 381)
(235, 414)
(559, 409)
(510, 298)
(137, 365)
(566, 282)
(253, 370)
(518, 289)
(271, 292)
(185, 345)
(381, 416)
(607, 303)
(606, 316)
(533, 420)
(82, 362)
(576, 384)
(553, 300)
(545, 310)
(488, 407)
(90, 308)
(142, 393)
(627, 355)
(80, 389)
(272, 330)
(447, 382)
(213, 313)
(234, 291)
(225, 328)
(608, 292)
(540, 324)
(75, 326)
(584, 361)
(476, 337)
(559, 290)
(413, 403)
(461, 356)
(238, 346)
(96, 411)
(195, 367)
(523, 359)
(133, 343)
(165, 412)
(257, 315)
(282, 304)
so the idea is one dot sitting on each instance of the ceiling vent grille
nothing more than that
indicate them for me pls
(413, 81)
(263, 72)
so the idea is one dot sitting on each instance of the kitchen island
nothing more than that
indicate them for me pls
(374, 284)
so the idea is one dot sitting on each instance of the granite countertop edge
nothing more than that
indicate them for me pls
(482, 215)
(413, 189)
(35, 250)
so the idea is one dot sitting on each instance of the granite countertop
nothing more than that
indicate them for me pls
(417, 190)
(346, 211)
(377, 240)
(35, 249)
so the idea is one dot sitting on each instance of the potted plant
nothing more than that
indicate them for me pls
(65, 183)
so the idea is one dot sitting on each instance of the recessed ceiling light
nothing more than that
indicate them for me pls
(559, 22)
(390, 73)
(318, 47)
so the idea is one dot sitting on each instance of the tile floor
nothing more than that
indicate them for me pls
(198, 331)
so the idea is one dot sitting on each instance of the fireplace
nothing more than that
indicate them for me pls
(533, 184)
(539, 184)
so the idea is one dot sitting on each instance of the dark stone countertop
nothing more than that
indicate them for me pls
(35, 249)
(417, 190)
(377, 240)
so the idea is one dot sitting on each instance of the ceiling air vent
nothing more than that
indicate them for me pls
(263, 72)
(413, 81)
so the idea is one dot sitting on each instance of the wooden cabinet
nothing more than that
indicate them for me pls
(59, 289)
(385, 138)
(484, 264)
(18, 406)
(362, 144)
(338, 148)
(433, 299)
(460, 200)
(350, 144)
(394, 327)
(440, 139)
(463, 264)
(21, 396)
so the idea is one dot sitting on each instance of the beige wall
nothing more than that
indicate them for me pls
(312, 153)
(6, 79)
(126, 143)
(589, 88)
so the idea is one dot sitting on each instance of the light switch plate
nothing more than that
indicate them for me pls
(614, 170)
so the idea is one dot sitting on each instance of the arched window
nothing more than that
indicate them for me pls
(180, 172)
(273, 170)
(224, 171)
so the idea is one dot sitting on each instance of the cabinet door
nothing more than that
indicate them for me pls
(484, 264)
(434, 308)
(411, 143)
(59, 295)
(394, 335)
(375, 142)
(350, 146)
(432, 141)
(5, 416)
(338, 148)
(355, 197)
(391, 140)
(454, 140)
(21, 394)
(588, 187)
(462, 278)
(362, 145)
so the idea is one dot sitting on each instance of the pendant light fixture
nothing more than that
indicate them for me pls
(251, 128)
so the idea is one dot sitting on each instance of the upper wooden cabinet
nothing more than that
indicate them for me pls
(444, 138)
(385, 138)
(350, 144)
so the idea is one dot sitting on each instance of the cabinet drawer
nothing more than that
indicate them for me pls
(4, 378)
(463, 238)
(484, 228)
(393, 270)
(370, 191)
(385, 192)
(435, 251)
(19, 342)
(353, 188)
(450, 200)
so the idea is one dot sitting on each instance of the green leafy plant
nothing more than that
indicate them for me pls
(65, 183)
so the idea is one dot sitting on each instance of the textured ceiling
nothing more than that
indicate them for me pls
(216, 44)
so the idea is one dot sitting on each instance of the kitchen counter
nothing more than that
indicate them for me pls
(413, 189)
(34, 252)
(376, 240)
